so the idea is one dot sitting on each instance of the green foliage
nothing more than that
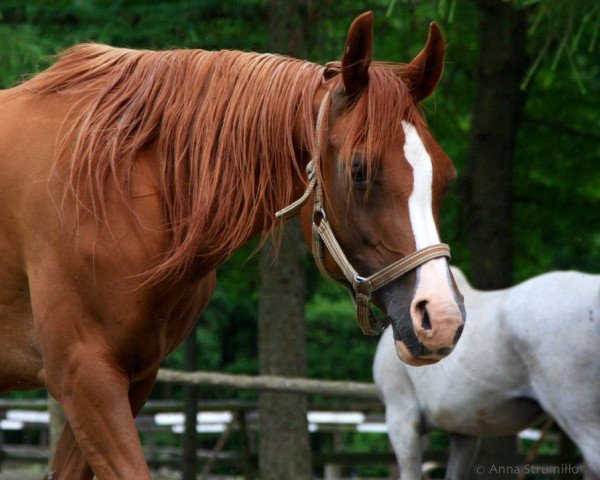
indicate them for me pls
(556, 185)
(556, 182)
(336, 348)
(366, 443)
(22, 52)
(561, 30)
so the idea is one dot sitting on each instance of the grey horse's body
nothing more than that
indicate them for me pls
(530, 347)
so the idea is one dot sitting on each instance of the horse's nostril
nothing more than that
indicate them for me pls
(425, 320)
(458, 333)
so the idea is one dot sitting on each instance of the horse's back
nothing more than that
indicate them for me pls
(555, 321)
(557, 310)
(561, 289)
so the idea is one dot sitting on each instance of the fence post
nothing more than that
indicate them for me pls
(249, 468)
(334, 471)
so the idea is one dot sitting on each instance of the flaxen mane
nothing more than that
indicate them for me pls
(222, 124)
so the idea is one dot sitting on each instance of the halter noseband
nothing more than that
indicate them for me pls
(360, 288)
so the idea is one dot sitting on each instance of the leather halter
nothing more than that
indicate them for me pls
(360, 288)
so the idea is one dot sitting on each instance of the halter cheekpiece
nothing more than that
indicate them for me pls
(360, 288)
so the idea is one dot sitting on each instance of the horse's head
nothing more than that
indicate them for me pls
(378, 181)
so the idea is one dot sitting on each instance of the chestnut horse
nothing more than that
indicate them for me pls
(127, 177)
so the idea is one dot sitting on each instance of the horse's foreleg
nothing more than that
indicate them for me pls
(590, 449)
(94, 393)
(462, 454)
(69, 459)
(404, 431)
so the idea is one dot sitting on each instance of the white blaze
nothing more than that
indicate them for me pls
(433, 274)
(420, 200)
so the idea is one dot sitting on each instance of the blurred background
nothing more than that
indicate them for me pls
(518, 110)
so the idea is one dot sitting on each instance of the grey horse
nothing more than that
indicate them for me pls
(527, 349)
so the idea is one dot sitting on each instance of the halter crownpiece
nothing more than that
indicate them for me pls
(360, 288)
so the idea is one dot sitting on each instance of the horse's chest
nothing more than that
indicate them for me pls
(172, 325)
(164, 336)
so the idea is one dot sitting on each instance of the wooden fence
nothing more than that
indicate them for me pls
(217, 422)
(272, 383)
(361, 407)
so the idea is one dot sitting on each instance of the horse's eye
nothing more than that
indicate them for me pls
(359, 175)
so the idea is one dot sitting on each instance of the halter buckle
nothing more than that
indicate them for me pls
(362, 285)
(318, 216)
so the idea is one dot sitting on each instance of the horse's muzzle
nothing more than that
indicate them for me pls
(416, 361)
(426, 340)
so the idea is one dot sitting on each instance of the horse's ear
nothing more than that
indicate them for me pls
(357, 55)
(424, 72)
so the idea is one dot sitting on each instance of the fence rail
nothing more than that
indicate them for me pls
(271, 383)
(357, 397)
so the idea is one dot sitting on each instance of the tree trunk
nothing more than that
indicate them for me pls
(289, 25)
(284, 450)
(487, 184)
(284, 444)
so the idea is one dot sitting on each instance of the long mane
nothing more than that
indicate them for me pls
(222, 125)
